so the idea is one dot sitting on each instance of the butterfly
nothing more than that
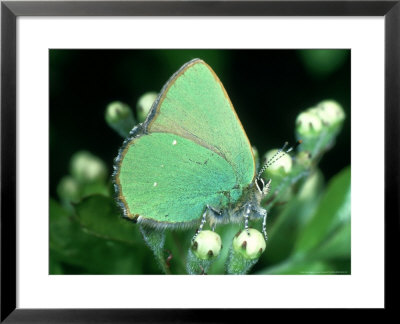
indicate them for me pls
(190, 161)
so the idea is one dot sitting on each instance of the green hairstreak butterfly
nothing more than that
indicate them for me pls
(190, 161)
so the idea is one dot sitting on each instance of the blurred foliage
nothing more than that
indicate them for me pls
(323, 62)
(324, 237)
(309, 204)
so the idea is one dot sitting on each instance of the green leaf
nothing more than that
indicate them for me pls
(100, 216)
(55, 267)
(338, 246)
(60, 225)
(286, 224)
(71, 245)
(89, 189)
(296, 267)
(332, 212)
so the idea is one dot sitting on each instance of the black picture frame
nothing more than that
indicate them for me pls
(10, 10)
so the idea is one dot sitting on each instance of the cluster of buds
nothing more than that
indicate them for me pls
(119, 116)
(247, 247)
(319, 125)
(313, 121)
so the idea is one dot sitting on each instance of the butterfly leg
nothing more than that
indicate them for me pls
(264, 225)
(214, 211)
(246, 218)
(203, 221)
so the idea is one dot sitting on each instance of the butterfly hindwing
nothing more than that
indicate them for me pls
(171, 181)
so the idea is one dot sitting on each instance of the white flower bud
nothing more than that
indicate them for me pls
(68, 189)
(283, 165)
(144, 104)
(330, 112)
(308, 123)
(207, 245)
(119, 117)
(87, 168)
(251, 245)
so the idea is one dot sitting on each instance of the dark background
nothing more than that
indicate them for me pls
(268, 89)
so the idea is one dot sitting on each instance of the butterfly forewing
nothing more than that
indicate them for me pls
(196, 106)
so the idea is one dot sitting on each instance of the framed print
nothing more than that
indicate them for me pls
(201, 140)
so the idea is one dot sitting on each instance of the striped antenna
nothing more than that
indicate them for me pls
(281, 152)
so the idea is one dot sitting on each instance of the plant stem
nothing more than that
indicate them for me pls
(156, 240)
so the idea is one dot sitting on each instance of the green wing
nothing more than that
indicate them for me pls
(191, 151)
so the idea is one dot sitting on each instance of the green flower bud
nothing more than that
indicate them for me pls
(308, 123)
(207, 245)
(68, 189)
(304, 159)
(281, 166)
(144, 104)
(87, 168)
(249, 246)
(120, 118)
(330, 112)
(311, 187)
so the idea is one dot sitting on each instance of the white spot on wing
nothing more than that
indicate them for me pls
(174, 142)
(155, 184)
